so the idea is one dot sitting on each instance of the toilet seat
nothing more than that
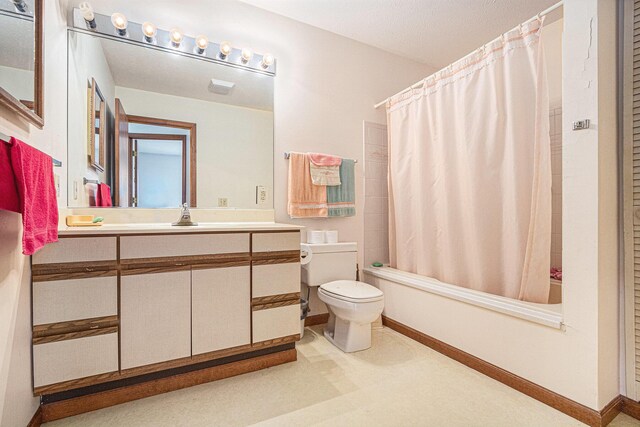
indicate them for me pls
(352, 291)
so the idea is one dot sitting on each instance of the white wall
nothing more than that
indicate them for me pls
(552, 42)
(86, 61)
(581, 361)
(17, 404)
(235, 144)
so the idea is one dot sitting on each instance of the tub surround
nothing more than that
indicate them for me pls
(124, 304)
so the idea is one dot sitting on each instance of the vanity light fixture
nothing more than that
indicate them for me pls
(20, 5)
(267, 60)
(225, 49)
(120, 22)
(201, 44)
(247, 54)
(149, 30)
(87, 14)
(176, 35)
(85, 19)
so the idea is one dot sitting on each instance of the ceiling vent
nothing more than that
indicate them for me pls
(221, 87)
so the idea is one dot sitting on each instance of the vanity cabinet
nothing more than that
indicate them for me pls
(110, 308)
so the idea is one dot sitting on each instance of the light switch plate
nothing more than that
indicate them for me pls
(261, 195)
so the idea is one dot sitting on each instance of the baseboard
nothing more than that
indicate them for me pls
(630, 407)
(36, 420)
(91, 402)
(316, 319)
(563, 404)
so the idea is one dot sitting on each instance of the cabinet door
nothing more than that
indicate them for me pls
(221, 304)
(155, 318)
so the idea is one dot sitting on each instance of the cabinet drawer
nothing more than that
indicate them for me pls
(132, 247)
(276, 323)
(221, 312)
(276, 279)
(79, 249)
(271, 242)
(64, 300)
(58, 361)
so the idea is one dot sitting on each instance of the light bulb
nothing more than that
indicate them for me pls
(149, 30)
(120, 22)
(176, 36)
(201, 44)
(87, 14)
(247, 54)
(225, 49)
(267, 60)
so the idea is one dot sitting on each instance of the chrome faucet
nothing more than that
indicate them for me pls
(185, 217)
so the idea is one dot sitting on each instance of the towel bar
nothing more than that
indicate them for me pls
(287, 155)
(86, 181)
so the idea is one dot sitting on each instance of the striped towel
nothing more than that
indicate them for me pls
(341, 199)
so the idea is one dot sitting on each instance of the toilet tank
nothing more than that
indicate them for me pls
(326, 262)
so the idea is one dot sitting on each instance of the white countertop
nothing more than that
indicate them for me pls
(147, 228)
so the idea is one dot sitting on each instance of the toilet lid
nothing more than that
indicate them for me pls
(352, 290)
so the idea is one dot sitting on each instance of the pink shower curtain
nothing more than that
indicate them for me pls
(470, 171)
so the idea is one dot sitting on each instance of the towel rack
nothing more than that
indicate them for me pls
(287, 155)
(4, 137)
(86, 181)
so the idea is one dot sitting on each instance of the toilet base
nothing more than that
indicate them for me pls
(348, 336)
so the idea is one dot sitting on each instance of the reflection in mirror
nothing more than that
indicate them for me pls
(97, 111)
(20, 79)
(176, 129)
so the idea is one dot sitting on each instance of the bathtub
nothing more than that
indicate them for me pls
(545, 314)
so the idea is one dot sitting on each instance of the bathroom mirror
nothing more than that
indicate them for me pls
(170, 129)
(97, 130)
(21, 67)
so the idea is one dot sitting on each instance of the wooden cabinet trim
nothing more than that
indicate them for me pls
(73, 270)
(60, 328)
(185, 260)
(267, 306)
(294, 296)
(74, 335)
(275, 257)
(276, 341)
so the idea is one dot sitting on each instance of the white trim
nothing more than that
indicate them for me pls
(544, 314)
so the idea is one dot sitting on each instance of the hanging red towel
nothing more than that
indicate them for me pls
(31, 172)
(103, 195)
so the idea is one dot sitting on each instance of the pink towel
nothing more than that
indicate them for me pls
(103, 195)
(9, 200)
(35, 191)
(320, 159)
(305, 199)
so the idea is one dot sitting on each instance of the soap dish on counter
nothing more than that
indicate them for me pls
(83, 221)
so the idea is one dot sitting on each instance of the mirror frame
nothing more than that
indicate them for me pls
(96, 95)
(35, 116)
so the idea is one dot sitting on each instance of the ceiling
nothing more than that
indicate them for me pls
(434, 32)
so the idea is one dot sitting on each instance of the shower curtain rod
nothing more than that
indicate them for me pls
(420, 83)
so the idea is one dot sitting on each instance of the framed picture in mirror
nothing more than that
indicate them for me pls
(21, 68)
(97, 129)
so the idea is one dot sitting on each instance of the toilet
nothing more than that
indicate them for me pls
(352, 305)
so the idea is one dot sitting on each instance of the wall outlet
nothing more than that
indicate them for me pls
(261, 195)
(223, 202)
